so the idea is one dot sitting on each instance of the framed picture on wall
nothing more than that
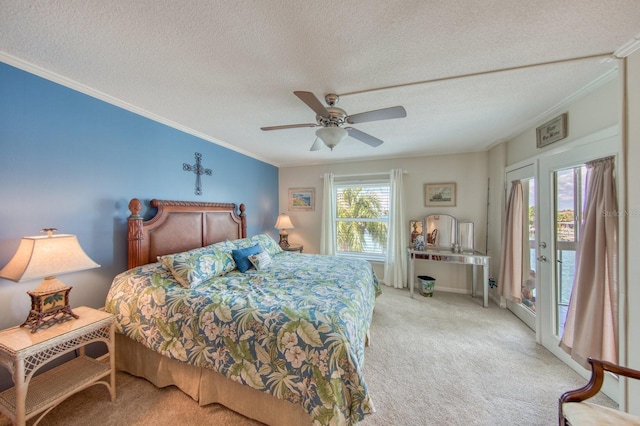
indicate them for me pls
(302, 199)
(439, 194)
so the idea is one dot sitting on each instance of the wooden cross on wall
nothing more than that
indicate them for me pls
(198, 170)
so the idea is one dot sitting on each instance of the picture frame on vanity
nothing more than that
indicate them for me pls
(302, 199)
(416, 228)
(440, 194)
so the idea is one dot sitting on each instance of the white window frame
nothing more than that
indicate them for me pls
(339, 184)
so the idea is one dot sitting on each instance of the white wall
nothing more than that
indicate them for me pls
(469, 171)
(633, 227)
(497, 163)
(588, 112)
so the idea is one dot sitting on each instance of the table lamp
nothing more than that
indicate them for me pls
(45, 257)
(283, 223)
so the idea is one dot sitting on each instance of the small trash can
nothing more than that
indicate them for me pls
(427, 284)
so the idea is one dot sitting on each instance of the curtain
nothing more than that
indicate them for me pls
(328, 232)
(395, 265)
(591, 327)
(510, 277)
(528, 274)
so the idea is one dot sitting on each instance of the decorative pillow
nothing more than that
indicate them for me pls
(260, 260)
(241, 256)
(267, 243)
(226, 246)
(192, 267)
(241, 243)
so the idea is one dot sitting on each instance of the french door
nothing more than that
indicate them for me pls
(561, 190)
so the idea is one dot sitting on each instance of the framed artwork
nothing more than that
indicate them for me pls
(302, 199)
(439, 194)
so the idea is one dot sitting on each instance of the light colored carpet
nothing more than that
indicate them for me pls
(433, 361)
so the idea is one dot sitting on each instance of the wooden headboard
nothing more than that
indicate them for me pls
(180, 226)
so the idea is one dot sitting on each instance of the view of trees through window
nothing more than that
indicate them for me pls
(362, 218)
(570, 191)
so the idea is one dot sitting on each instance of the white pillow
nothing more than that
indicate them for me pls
(260, 260)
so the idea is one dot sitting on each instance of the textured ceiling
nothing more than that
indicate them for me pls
(223, 69)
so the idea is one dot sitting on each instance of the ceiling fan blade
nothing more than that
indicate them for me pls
(379, 114)
(289, 126)
(317, 145)
(313, 103)
(364, 137)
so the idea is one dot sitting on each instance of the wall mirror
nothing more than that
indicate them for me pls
(466, 236)
(442, 231)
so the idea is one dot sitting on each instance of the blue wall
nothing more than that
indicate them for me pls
(73, 162)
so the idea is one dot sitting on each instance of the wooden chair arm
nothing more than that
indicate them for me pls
(589, 390)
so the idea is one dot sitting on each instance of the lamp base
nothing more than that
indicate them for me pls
(284, 240)
(48, 308)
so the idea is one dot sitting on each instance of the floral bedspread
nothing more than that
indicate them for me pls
(295, 329)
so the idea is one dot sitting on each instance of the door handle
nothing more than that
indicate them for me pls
(542, 258)
(542, 244)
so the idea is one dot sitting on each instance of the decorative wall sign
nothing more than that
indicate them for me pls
(198, 170)
(552, 131)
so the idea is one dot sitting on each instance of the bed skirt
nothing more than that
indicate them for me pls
(206, 386)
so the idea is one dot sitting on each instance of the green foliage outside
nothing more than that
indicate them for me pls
(354, 203)
(565, 216)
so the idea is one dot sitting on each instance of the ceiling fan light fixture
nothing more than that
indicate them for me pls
(331, 136)
(317, 144)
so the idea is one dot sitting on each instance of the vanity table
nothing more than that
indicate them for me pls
(467, 258)
(443, 232)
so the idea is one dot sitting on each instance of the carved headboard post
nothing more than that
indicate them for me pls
(134, 233)
(243, 221)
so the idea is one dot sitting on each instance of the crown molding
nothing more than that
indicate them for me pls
(561, 106)
(79, 87)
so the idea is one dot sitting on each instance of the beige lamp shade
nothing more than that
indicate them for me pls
(47, 256)
(283, 222)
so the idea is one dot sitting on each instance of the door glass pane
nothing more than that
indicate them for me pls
(569, 194)
(529, 255)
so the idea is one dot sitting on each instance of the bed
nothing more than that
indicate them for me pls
(281, 342)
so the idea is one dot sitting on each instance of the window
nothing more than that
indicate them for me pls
(570, 193)
(362, 218)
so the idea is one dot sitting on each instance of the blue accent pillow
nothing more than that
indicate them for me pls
(267, 243)
(241, 256)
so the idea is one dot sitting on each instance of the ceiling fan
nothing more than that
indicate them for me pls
(332, 121)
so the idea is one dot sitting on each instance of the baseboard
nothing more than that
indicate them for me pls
(452, 290)
(495, 299)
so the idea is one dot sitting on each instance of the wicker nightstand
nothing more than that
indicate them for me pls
(293, 247)
(23, 353)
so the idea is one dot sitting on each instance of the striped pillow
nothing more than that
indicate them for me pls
(260, 260)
